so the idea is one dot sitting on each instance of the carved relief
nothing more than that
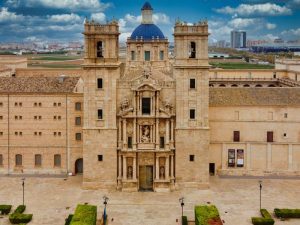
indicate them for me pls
(125, 106)
(145, 134)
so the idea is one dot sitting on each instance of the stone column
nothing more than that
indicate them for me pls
(157, 134)
(120, 134)
(157, 168)
(269, 157)
(172, 166)
(167, 134)
(167, 168)
(120, 166)
(172, 133)
(157, 103)
(134, 168)
(138, 104)
(134, 134)
(124, 134)
(124, 168)
(290, 167)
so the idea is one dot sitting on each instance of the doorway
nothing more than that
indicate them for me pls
(79, 166)
(211, 169)
(146, 178)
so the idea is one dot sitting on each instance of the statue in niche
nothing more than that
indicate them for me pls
(146, 134)
(162, 172)
(129, 172)
(125, 104)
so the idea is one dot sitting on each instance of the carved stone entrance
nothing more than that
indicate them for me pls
(146, 178)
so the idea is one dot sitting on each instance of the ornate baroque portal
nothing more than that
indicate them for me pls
(145, 138)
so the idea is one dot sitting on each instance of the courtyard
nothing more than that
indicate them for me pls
(51, 200)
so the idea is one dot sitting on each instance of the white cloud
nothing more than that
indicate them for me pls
(69, 4)
(98, 17)
(291, 32)
(65, 18)
(5, 15)
(161, 18)
(271, 26)
(266, 9)
(270, 37)
(240, 23)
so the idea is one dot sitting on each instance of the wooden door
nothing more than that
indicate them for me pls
(146, 178)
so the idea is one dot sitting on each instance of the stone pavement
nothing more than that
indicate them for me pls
(52, 199)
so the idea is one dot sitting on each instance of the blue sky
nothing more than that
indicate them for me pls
(62, 20)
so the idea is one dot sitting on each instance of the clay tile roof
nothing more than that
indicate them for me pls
(38, 84)
(254, 96)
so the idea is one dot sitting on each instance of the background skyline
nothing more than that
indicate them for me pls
(62, 20)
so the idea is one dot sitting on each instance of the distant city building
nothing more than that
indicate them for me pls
(221, 44)
(238, 39)
(251, 43)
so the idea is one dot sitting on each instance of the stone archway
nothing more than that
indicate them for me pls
(79, 166)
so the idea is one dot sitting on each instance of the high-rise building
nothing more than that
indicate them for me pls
(238, 39)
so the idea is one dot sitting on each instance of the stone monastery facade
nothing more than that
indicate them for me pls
(155, 122)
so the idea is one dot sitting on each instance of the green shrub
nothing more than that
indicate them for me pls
(266, 218)
(69, 219)
(262, 221)
(17, 218)
(85, 215)
(20, 209)
(204, 213)
(287, 213)
(184, 220)
(5, 209)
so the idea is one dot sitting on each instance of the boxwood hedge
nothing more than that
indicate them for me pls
(184, 220)
(5, 209)
(287, 213)
(85, 215)
(17, 218)
(266, 218)
(20, 209)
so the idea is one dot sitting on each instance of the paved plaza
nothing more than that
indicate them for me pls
(52, 199)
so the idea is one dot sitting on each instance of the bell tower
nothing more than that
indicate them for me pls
(192, 90)
(101, 72)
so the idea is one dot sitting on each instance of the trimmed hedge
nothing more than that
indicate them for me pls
(287, 213)
(266, 218)
(20, 209)
(17, 218)
(184, 220)
(85, 215)
(69, 219)
(204, 213)
(5, 209)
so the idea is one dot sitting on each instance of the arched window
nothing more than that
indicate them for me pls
(222, 85)
(57, 160)
(100, 47)
(271, 85)
(234, 85)
(246, 85)
(18, 160)
(258, 85)
(38, 160)
(192, 52)
(211, 85)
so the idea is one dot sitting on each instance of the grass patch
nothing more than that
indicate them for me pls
(241, 66)
(206, 213)
(85, 215)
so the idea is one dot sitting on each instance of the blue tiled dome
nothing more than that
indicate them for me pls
(147, 6)
(147, 31)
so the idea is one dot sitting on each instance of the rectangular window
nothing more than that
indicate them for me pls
(192, 83)
(18, 160)
(38, 160)
(270, 136)
(78, 136)
(132, 55)
(162, 142)
(231, 158)
(99, 83)
(240, 158)
(236, 136)
(147, 55)
(161, 55)
(1, 160)
(129, 142)
(146, 106)
(100, 158)
(1, 117)
(100, 49)
(192, 114)
(285, 115)
(78, 121)
(1, 133)
(100, 114)
(78, 106)
(57, 160)
(192, 158)
(193, 50)
(1, 104)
